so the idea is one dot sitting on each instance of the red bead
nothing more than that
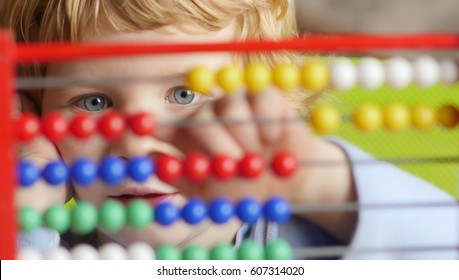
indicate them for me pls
(27, 127)
(224, 167)
(54, 126)
(142, 124)
(251, 165)
(168, 168)
(112, 125)
(196, 167)
(82, 126)
(284, 164)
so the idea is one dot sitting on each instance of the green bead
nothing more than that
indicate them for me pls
(167, 252)
(29, 219)
(195, 252)
(139, 214)
(57, 218)
(84, 218)
(278, 250)
(250, 250)
(112, 215)
(223, 251)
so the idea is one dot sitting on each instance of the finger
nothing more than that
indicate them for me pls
(268, 108)
(296, 134)
(242, 127)
(208, 135)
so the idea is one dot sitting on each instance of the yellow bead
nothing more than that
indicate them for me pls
(448, 116)
(367, 117)
(315, 76)
(230, 79)
(325, 118)
(396, 117)
(422, 116)
(200, 79)
(258, 77)
(286, 76)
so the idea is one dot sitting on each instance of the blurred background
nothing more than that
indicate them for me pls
(385, 17)
(378, 16)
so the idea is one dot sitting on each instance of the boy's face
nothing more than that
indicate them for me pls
(164, 96)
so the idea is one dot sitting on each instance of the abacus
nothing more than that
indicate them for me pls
(314, 76)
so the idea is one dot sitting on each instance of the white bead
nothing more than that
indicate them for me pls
(28, 254)
(140, 251)
(399, 73)
(112, 251)
(84, 252)
(343, 74)
(449, 72)
(370, 73)
(426, 71)
(59, 253)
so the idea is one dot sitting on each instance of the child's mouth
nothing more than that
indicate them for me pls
(152, 199)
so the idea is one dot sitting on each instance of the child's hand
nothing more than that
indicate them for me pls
(40, 151)
(311, 184)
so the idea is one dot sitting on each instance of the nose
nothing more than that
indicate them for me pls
(132, 144)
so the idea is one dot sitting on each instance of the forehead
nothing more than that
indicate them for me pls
(156, 63)
(168, 34)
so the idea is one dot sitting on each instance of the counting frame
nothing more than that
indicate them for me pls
(314, 76)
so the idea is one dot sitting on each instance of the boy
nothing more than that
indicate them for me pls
(166, 97)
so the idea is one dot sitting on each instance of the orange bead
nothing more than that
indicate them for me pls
(448, 116)
(367, 117)
(422, 116)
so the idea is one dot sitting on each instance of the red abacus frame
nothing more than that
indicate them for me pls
(12, 54)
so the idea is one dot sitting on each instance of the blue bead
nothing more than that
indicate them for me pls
(140, 168)
(28, 173)
(194, 211)
(248, 210)
(112, 170)
(277, 209)
(83, 171)
(221, 210)
(166, 214)
(55, 173)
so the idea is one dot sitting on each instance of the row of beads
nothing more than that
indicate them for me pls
(249, 250)
(368, 117)
(196, 168)
(55, 127)
(138, 214)
(340, 74)
(113, 124)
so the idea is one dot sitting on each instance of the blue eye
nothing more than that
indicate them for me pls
(93, 103)
(183, 96)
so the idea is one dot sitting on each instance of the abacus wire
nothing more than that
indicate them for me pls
(58, 82)
(357, 207)
(338, 251)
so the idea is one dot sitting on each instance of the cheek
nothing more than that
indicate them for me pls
(94, 148)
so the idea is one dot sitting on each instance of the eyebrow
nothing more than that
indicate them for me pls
(59, 82)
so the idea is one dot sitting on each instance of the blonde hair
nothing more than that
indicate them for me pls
(76, 20)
